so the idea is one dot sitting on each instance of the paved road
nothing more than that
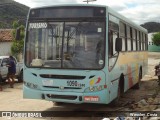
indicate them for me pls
(12, 100)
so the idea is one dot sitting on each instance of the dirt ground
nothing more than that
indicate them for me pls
(12, 99)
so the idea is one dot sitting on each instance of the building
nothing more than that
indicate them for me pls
(6, 38)
(151, 46)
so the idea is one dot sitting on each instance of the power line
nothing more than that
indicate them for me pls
(89, 1)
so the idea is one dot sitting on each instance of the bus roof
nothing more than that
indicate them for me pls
(63, 5)
(108, 9)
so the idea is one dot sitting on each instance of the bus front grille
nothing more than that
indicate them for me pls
(67, 97)
(62, 76)
(55, 87)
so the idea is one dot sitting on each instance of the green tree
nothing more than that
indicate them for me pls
(17, 45)
(156, 38)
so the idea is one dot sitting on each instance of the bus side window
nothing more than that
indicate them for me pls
(110, 43)
(122, 35)
(112, 35)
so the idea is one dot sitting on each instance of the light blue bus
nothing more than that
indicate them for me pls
(82, 54)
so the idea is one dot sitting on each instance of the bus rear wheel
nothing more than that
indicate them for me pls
(137, 85)
(159, 80)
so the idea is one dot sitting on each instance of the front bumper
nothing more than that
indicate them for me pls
(99, 97)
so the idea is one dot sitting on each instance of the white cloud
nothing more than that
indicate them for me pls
(139, 11)
(38, 3)
(143, 12)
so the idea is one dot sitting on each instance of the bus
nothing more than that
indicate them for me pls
(82, 54)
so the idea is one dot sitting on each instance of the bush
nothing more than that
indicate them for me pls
(156, 38)
(17, 46)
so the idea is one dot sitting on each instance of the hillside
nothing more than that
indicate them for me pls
(10, 11)
(152, 26)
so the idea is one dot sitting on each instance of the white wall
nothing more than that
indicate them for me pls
(5, 48)
(150, 37)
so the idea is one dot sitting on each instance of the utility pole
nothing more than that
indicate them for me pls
(89, 1)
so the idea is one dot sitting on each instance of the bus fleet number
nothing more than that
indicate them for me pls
(75, 83)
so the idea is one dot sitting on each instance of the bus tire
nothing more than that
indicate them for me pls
(1, 79)
(138, 84)
(159, 80)
(119, 92)
(20, 77)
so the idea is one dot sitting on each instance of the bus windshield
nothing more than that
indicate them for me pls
(72, 45)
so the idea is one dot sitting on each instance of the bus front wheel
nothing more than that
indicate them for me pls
(120, 91)
(20, 77)
(58, 103)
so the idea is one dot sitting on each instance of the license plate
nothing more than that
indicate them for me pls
(91, 98)
(47, 82)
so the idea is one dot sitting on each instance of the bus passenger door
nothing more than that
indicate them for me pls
(112, 53)
(112, 58)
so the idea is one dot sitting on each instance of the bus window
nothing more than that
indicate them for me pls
(138, 42)
(67, 45)
(134, 39)
(122, 35)
(146, 42)
(112, 35)
(128, 39)
(131, 37)
(110, 43)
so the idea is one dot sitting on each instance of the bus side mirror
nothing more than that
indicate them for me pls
(18, 32)
(118, 44)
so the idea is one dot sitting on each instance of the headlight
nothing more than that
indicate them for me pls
(30, 85)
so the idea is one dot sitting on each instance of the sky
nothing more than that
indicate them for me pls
(139, 11)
